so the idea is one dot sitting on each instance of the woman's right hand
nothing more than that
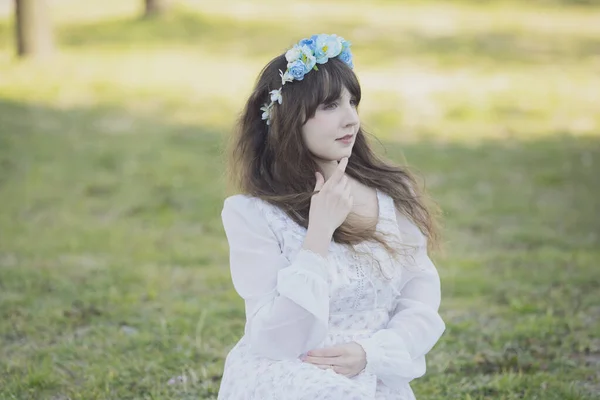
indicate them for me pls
(330, 207)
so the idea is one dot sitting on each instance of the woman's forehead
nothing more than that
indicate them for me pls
(344, 93)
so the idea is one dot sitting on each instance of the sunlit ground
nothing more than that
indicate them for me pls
(452, 72)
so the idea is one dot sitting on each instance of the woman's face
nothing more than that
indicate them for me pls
(330, 134)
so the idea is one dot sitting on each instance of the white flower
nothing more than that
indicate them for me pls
(285, 77)
(303, 58)
(276, 96)
(293, 54)
(308, 58)
(266, 112)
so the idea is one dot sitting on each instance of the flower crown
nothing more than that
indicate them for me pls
(304, 57)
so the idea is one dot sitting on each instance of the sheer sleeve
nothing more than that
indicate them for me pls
(287, 303)
(396, 354)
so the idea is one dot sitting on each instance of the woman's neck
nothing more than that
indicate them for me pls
(328, 167)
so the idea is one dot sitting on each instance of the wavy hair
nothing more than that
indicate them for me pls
(272, 163)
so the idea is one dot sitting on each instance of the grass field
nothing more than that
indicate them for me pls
(113, 262)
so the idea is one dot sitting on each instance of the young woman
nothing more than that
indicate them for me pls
(328, 243)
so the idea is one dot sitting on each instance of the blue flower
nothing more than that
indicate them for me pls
(303, 57)
(310, 43)
(346, 56)
(333, 46)
(346, 45)
(297, 70)
(328, 46)
(320, 50)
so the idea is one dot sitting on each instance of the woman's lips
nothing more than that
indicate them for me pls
(346, 139)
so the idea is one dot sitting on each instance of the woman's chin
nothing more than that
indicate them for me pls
(342, 155)
(336, 156)
(346, 153)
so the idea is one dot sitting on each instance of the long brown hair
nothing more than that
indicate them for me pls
(272, 163)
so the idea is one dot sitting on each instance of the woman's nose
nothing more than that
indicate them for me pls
(352, 116)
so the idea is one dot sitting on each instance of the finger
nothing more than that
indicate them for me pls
(339, 360)
(322, 360)
(338, 369)
(327, 352)
(342, 166)
(341, 186)
(348, 191)
(339, 171)
(325, 367)
(344, 181)
(320, 181)
(344, 160)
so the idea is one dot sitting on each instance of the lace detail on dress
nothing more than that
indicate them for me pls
(357, 281)
(315, 254)
(287, 231)
(360, 276)
(360, 304)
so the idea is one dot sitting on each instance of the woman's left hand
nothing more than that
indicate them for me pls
(347, 359)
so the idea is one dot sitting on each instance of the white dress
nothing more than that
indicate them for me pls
(297, 301)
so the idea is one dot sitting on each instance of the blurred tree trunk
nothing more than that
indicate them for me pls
(156, 8)
(33, 30)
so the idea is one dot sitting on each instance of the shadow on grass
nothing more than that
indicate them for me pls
(117, 230)
(110, 163)
(515, 194)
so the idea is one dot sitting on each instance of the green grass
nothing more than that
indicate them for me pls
(113, 262)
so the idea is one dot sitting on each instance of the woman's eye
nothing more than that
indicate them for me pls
(354, 102)
(330, 106)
